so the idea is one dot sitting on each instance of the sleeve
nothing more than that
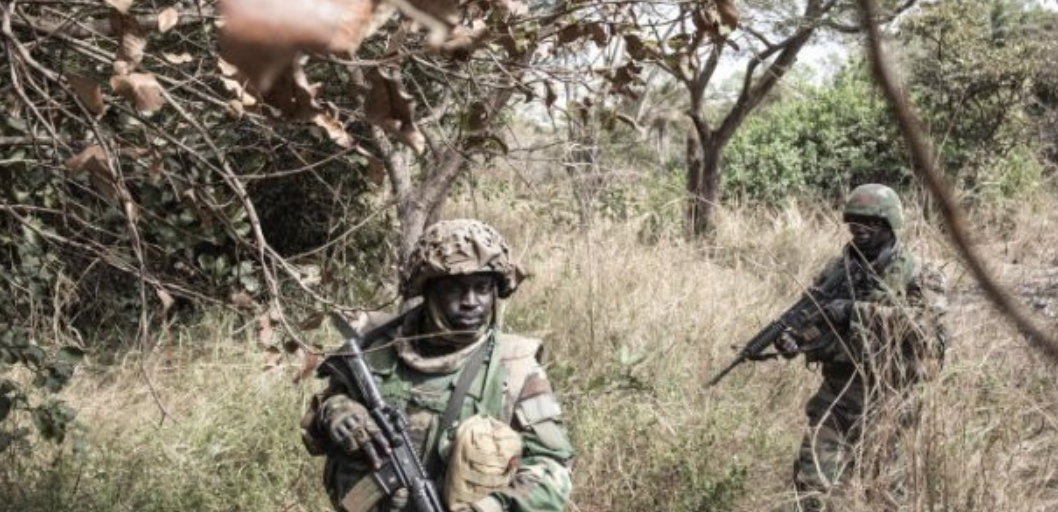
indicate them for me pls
(916, 318)
(542, 482)
(312, 434)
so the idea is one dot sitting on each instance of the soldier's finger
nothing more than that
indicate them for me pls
(340, 432)
(373, 457)
(381, 442)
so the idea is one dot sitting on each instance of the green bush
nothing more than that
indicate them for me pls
(821, 142)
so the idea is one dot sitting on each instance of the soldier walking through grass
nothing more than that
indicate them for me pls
(480, 409)
(882, 335)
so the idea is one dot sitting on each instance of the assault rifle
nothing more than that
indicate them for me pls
(398, 467)
(807, 312)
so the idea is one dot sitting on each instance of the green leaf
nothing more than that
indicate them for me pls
(33, 355)
(250, 283)
(70, 355)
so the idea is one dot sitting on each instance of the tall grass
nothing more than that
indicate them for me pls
(632, 332)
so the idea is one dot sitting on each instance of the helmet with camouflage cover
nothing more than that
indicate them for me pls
(460, 247)
(875, 201)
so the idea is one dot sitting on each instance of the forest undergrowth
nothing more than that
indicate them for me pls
(633, 326)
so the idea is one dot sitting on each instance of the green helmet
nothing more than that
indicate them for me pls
(876, 201)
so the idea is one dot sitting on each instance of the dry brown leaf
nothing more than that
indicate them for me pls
(291, 346)
(550, 96)
(334, 129)
(599, 36)
(262, 37)
(477, 116)
(121, 5)
(242, 300)
(571, 33)
(625, 76)
(376, 171)
(294, 96)
(265, 332)
(167, 19)
(636, 48)
(142, 89)
(388, 106)
(728, 13)
(309, 362)
(133, 40)
(89, 92)
(93, 160)
(312, 322)
(177, 59)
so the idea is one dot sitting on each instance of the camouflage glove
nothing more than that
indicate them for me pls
(839, 310)
(399, 501)
(349, 425)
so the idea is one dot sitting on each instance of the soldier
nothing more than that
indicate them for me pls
(480, 408)
(884, 334)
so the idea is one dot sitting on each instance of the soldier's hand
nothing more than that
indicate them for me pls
(349, 425)
(787, 344)
(399, 500)
(838, 310)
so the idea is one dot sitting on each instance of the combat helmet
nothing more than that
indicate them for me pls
(875, 201)
(460, 247)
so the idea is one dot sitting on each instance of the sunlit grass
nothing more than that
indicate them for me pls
(632, 332)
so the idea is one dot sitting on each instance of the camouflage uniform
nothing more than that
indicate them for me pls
(893, 339)
(510, 386)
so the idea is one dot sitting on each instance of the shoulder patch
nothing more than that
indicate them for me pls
(517, 355)
(513, 346)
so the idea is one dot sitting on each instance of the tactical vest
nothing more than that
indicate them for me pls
(495, 391)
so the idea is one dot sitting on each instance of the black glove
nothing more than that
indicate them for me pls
(787, 344)
(838, 310)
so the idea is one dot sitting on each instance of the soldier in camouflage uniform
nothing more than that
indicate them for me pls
(495, 443)
(884, 334)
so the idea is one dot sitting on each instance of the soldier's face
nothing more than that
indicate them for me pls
(466, 301)
(870, 235)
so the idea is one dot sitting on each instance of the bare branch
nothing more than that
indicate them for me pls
(921, 151)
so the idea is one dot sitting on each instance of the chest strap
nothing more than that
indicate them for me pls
(466, 377)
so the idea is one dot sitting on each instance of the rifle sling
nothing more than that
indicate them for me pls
(433, 465)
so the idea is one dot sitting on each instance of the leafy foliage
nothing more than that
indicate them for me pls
(192, 180)
(819, 142)
(978, 70)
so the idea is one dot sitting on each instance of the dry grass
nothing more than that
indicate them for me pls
(632, 332)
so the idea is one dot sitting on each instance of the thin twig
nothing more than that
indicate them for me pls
(920, 148)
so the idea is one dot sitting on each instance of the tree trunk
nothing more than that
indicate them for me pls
(703, 183)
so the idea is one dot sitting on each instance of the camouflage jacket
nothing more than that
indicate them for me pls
(510, 386)
(895, 330)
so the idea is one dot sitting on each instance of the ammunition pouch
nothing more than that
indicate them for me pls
(484, 457)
